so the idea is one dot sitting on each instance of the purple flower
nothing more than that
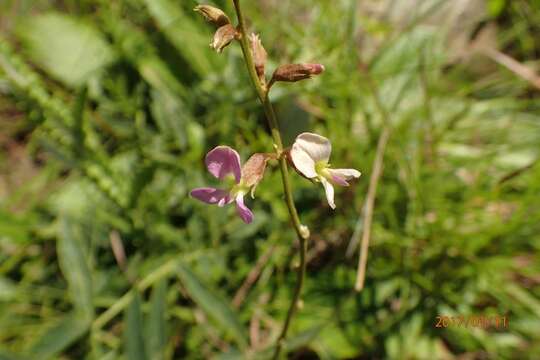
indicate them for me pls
(224, 163)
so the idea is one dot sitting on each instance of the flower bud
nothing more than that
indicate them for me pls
(304, 231)
(253, 170)
(223, 37)
(213, 14)
(259, 54)
(296, 72)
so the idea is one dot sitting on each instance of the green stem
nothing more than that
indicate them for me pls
(301, 231)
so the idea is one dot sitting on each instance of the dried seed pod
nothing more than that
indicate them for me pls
(296, 72)
(259, 55)
(223, 37)
(213, 14)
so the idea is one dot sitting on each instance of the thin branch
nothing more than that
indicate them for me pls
(373, 182)
(368, 207)
(514, 66)
(517, 172)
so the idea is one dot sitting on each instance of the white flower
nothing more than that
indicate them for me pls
(310, 154)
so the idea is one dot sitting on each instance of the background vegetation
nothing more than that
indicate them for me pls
(107, 109)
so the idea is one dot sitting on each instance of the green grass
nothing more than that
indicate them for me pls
(106, 113)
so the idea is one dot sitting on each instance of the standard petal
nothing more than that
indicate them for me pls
(211, 196)
(303, 162)
(222, 161)
(329, 190)
(340, 176)
(243, 211)
(318, 147)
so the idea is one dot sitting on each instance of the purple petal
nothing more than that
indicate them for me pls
(222, 161)
(242, 210)
(338, 180)
(211, 196)
(340, 176)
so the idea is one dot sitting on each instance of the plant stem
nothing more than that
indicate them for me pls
(301, 231)
(373, 182)
(368, 209)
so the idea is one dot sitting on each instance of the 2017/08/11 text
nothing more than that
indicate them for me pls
(472, 321)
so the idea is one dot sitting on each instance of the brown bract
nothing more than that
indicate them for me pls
(223, 37)
(253, 170)
(296, 72)
(259, 54)
(213, 14)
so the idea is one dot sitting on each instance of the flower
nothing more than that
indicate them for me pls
(310, 154)
(224, 163)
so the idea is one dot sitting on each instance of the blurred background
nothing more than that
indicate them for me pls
(107, 109)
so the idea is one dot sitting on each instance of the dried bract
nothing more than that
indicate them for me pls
(259, 54)
(213, 14)
(223, 37)
(296, 72)
(253, 170)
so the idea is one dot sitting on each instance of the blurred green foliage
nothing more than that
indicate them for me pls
(108, 108)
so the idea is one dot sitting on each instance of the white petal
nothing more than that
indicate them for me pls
(347, 174)
(329, 189)
(318, 147)
(303, 162)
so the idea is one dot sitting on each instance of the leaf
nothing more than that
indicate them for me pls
(64, 46)
(61, 336)
(15, 229)
(496, 7)
(5, 355)
(156, 325)
(141, 52)
(215, 307)
(8, 289)
(184, 33)
(133, 333)
(75, 268)
(291, 344)
(168, 113)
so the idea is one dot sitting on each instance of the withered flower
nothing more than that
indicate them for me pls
(259, 54)
(213, 14)
(223, 37)
(253, 170)
(296, 72)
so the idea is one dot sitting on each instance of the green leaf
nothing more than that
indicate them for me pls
(141, 52)
(291, 344)
(64, 46)
(214, 306)
(133, 333)
(8, 289)
(15, 229)
(496, 7)
(5, 355)
(168, 113)
(184, 33)
(75, 267)
(156, 325)
(61, 336)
